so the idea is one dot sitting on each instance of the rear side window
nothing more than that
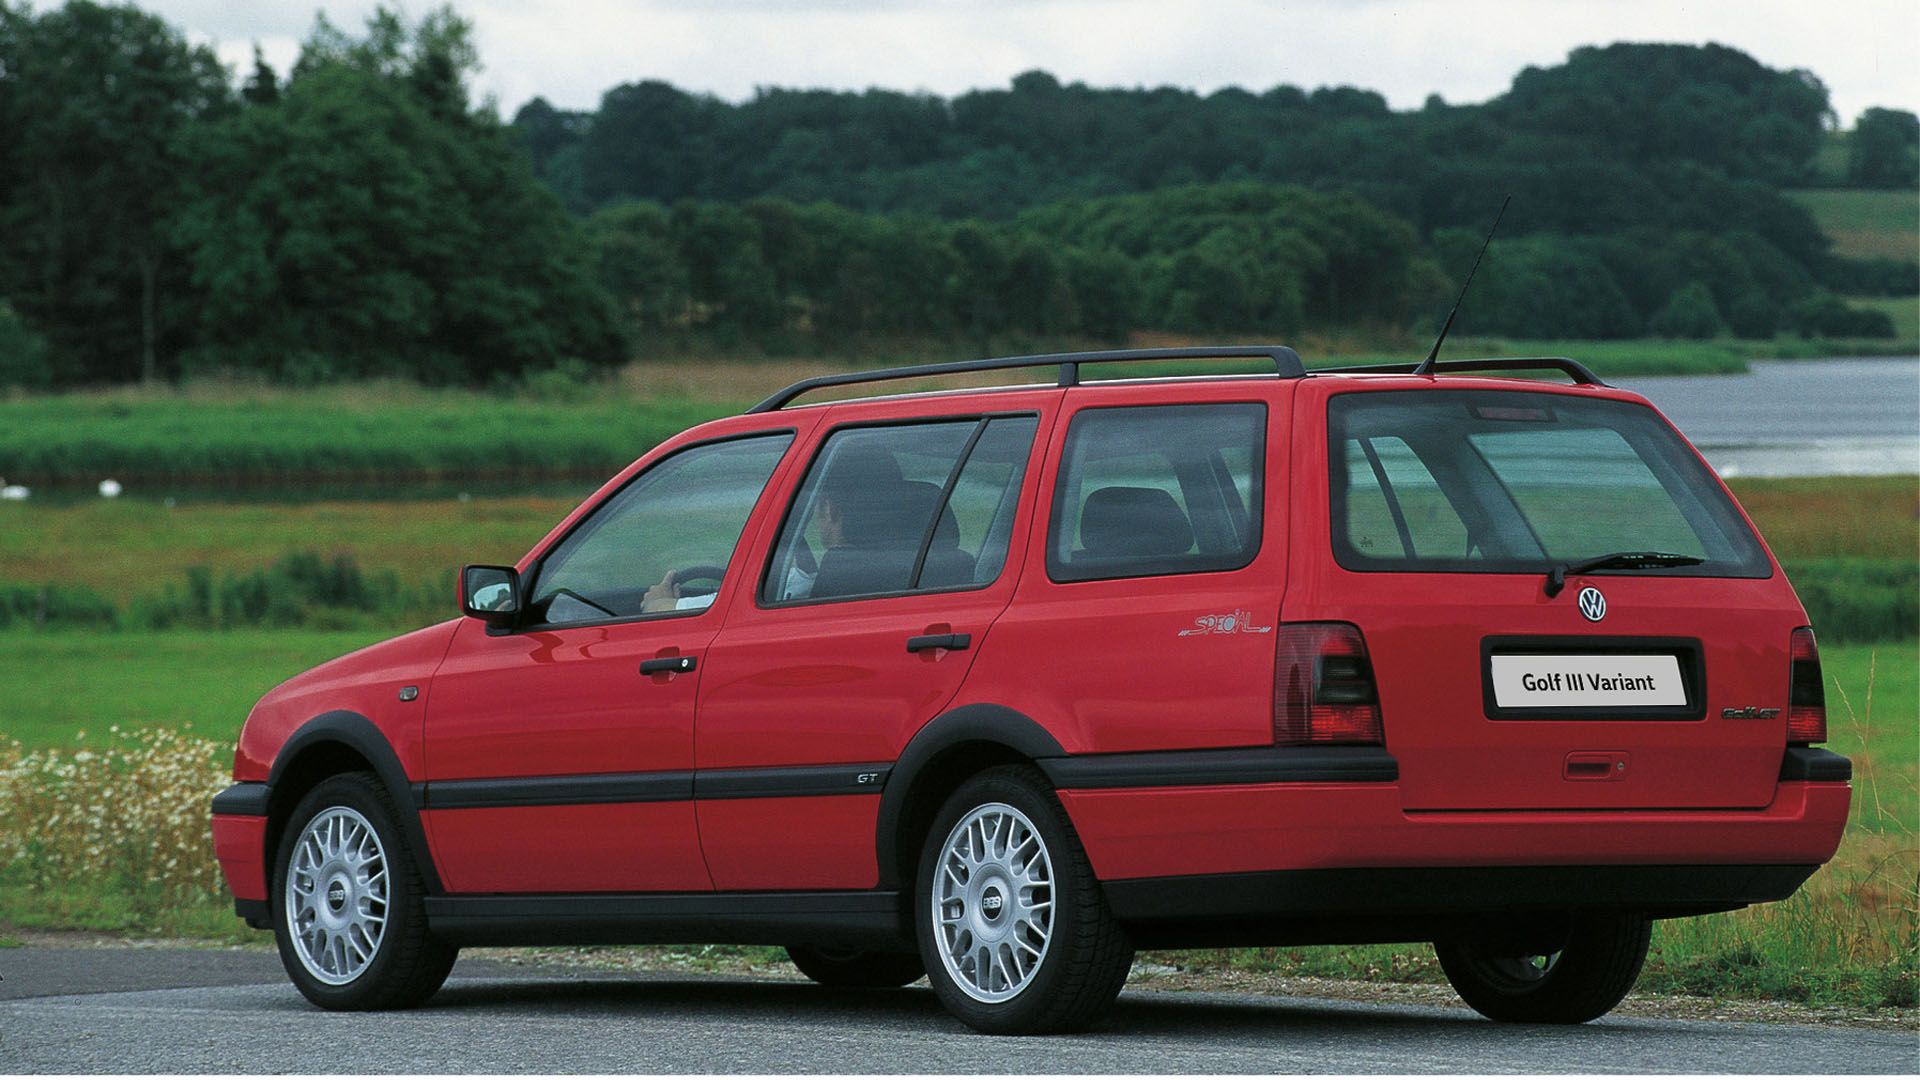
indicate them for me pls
(1162, 489)
(1505, 481)
(903, 508)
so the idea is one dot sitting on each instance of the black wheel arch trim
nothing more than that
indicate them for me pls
(978, 723)
(247, 798)
(357, 733)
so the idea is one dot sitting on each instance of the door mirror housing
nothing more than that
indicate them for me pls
(491, 594)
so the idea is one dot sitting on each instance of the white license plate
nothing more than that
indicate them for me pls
(1586, 682)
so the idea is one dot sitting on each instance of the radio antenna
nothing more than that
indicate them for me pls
(1425, 367)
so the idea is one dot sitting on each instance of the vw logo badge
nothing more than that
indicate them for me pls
(1592, 604)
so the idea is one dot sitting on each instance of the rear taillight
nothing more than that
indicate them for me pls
(1323, 689)
(1806, 696)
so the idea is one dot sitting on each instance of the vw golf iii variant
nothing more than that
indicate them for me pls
(996, 685)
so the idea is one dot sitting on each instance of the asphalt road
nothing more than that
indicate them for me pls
(122, 1010)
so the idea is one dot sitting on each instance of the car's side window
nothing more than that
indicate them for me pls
(661, 544)
(902, 508)
(1160, 489)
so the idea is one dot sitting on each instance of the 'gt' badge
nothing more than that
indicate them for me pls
(1592, 604)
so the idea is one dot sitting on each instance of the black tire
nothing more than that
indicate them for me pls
(856, 969)
(1087, 955)
(407, 965)
(1584, 981)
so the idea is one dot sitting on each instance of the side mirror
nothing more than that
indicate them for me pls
(490, 593)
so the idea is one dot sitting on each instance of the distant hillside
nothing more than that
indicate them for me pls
(1867, 224)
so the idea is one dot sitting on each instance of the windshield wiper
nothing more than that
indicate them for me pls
(1619, 560)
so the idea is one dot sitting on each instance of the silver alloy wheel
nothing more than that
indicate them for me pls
(993, 902)
(337, 889)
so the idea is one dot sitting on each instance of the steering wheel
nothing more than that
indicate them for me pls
(699, 573)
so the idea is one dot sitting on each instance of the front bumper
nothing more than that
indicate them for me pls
(240, 840)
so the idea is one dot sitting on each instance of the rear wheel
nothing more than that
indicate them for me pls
(348, 911)
(1584, 980)
(856, 968)
(1013, 928)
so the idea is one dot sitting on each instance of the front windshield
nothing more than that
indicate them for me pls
(1513, 481)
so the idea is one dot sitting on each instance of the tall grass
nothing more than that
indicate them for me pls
(119, 828)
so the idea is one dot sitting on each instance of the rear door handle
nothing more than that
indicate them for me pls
(666, 665)
(937, 642)
(923, 642)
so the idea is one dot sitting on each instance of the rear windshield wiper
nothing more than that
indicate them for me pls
(1619, 560)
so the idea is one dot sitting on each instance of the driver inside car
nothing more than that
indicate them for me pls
(855, 484)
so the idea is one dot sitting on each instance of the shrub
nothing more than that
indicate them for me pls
(1859, 599)
(55, 605)
(1690, 314)
(1826, 315)
(130, 816)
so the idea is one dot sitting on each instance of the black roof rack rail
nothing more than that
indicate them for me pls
(1574, 369)
(1286, 365)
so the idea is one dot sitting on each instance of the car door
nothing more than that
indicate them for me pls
(1145, 618)
(559, 754)
(883, 577)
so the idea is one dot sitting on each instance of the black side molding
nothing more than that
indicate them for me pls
(248, 798)
(558, 790)
(1247, 765)
(1813, 763)
(791, 782)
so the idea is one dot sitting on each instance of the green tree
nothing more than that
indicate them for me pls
(94, 100)
(1884, 150)
(640, 267)
(1690, 313)
(370, 224)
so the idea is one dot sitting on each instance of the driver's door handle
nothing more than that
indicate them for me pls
(666, 665)
(922, 642)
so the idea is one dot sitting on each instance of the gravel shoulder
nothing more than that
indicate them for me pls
(218, 963)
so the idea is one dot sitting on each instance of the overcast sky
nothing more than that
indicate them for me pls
(1465, 50)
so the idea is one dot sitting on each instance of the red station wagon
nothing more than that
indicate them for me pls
(994, 686)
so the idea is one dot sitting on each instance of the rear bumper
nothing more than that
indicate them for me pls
(1174, 832)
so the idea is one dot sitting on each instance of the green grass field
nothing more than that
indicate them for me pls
(1866, 224)
(57, 694)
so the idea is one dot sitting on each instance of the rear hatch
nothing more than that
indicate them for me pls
(1506, 685)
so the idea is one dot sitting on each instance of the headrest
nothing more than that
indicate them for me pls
(917, 500)
(1133, 522)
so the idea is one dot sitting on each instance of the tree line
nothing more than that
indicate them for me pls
(361, 215)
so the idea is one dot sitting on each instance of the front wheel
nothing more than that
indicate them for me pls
(348, 913)
(1595, 968)
(1013, 928)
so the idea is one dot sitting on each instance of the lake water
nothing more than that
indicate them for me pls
(1841, 417)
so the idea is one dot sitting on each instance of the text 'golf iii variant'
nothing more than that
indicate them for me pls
(996, 685)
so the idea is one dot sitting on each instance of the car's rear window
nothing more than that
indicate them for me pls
(1511, 481)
